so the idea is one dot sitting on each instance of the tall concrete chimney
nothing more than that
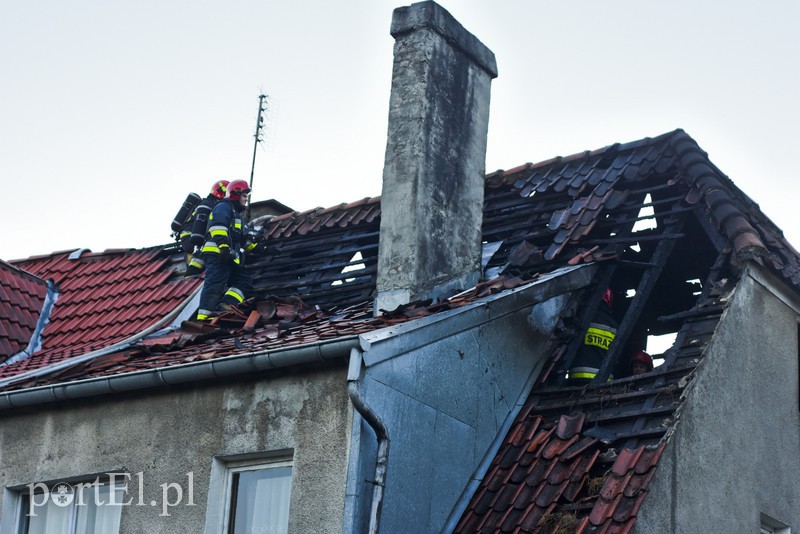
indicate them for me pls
(433, 174)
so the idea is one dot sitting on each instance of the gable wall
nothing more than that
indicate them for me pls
(443, 404)
(168, 434)
(736, 450)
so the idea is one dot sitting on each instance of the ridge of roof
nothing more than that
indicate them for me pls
(584, 154)
(718, 196)
(283, 226)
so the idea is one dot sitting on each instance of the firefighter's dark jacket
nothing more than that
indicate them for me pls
(226, 230)
(596, 341)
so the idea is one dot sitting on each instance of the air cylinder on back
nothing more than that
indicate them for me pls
(191, 202)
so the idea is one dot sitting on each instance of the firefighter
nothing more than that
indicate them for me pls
(226, 282)
(641, 362)
(193, 232)
(596, 342)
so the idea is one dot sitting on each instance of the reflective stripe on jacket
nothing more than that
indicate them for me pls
(596, 341)
(224, 229)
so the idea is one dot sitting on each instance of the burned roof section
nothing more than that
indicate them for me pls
(670, 232)
(327, 257)
(569, 202)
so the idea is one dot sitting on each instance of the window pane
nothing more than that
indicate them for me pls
(87, 512)
(49, 519)
(95, 513)
(262, 501)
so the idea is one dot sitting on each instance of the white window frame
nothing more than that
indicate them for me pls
(219, 506)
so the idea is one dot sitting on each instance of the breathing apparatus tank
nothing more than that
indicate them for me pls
(202, 212)
(191, 202)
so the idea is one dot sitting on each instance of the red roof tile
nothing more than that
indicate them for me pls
(22, 297)
(103, 298)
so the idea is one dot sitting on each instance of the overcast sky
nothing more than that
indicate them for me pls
(112, 111)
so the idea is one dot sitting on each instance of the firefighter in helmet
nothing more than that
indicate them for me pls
(193, 230)
(641, 362)
(596, 342)
(226, 282)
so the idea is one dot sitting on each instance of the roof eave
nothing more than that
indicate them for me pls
(236, 365)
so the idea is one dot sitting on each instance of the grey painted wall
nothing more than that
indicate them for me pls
(443, 404)
(166, 435)
(736, 450)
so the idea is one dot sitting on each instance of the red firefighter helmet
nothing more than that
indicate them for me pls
(219, 188)
(642, 357)
(237, 190)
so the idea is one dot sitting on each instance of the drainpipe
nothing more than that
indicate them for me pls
(369, 415)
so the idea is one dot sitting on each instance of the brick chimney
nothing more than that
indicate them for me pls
(433, 174)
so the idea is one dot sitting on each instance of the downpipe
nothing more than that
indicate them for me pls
(369, 415)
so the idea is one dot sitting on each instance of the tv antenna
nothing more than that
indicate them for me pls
(262, 107)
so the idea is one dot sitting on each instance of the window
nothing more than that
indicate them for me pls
(773, 526)
(257, 497)
(61, 508)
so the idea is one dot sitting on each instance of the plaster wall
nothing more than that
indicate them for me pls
(165, 435)
(735, 453)
(443, 404)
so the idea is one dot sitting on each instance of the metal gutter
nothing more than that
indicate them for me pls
(120, 345)
(44, 317)
(372, 418)
(238, 364)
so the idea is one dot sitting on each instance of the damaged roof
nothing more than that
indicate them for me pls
(101, 299)
(574, 458)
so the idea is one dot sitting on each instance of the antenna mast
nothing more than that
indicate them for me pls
(262, 107)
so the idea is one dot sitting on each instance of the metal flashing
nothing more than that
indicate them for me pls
(393, 341)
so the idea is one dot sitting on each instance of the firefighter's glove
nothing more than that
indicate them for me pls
(187, 246)
(225, 254)
(256, 246)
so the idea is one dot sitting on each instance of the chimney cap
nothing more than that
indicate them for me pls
(434, 17)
